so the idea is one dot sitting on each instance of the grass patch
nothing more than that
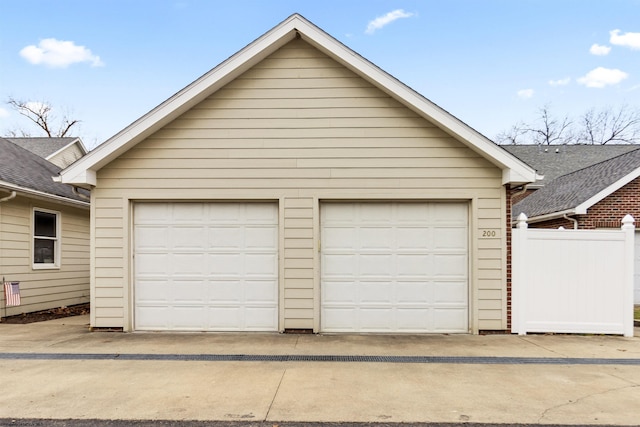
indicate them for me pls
(636, 312)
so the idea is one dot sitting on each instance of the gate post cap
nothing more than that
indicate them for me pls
(628, 221)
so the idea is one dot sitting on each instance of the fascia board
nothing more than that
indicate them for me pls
(44, 196)
(582, 208)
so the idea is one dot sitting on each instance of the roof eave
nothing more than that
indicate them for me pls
(44, 196)
(549, 216)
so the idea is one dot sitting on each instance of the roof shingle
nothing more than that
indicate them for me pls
(21, 167)
(570, 190)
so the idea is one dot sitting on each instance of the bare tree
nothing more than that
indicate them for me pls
(513, 136)
(548, 129)
(41, 114)
(608, 125)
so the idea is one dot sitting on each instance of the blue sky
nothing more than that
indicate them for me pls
(491, 63)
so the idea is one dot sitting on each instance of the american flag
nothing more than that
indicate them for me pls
(11, 294)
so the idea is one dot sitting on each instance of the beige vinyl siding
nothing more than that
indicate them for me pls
(43, 289)
(67, 156)
(300, 128)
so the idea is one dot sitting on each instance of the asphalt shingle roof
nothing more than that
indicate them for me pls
(553, 161)
(21, 167)
(43, 147)
(570, 190)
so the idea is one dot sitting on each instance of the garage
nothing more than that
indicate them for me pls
(394, 267)
(206, 266)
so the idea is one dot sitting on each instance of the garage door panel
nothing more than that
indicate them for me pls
(187, 317)
(260, 318)
(259, 292)
(340, 319)
(374, 213)
(375, 266)
(375, 293)
(449, 320)
(448, 213)
(225, 237)
(155, 264)
(371, 238)
(152, 237)
(221, 318)
(450, 293)
(260, 265)
(261, 237)
(341, 265)
(188, 238)
(450, 265)
(338, 238)
(152, 291)
(206, 266)
(339, 292)
(186, 264)
(414, 265)
(225, 292)
(187, 213)
(412, 320)
(225, 264)
(413, 238)
(452, 238)
(417, 293)
(393, 267)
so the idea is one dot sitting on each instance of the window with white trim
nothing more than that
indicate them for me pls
(46, 239)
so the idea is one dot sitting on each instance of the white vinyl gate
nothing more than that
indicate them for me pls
(573, 281)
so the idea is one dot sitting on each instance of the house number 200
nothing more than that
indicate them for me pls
(488, 233)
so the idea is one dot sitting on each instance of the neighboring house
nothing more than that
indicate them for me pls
(44, 233)
(552, 161)
(59, 151)
(297, 186)
(595, 197)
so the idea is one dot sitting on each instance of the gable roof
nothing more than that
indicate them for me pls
(83, 171)
(553, 161)
(25, 172)
(47, 147)
(576, 192)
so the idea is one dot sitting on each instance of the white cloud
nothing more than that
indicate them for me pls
(631, 40)
(381, 21)
(560, 82)
(525, 93)
(59, 54)
(601, 77)
(599, 50)
(4, 113)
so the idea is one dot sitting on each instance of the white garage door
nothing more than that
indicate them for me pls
(206, 266)
(394, 267)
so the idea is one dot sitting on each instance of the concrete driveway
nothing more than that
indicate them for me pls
(59, 369)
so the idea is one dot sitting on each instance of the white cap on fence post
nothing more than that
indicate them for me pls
(628, 221)
(521, 222)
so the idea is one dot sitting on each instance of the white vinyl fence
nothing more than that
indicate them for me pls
(572, 281)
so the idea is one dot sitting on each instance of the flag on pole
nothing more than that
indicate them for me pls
(11, 294)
